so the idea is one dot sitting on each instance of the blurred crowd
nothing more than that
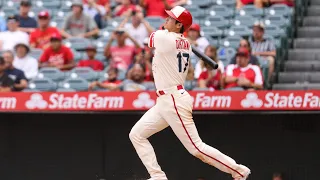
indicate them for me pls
(126, 49)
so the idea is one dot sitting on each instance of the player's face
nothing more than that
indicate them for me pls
(170, 24)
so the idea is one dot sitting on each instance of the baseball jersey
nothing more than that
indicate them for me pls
(171, 58)
(251, 72)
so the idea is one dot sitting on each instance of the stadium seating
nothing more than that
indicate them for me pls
(250, 10)
(77, 83)
(42, 84)
(51, 73)
(221, 24)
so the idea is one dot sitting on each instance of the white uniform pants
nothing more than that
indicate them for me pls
(174, 109)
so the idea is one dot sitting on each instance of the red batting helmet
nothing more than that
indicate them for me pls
(182, 15)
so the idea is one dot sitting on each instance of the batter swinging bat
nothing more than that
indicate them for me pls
(204, 57)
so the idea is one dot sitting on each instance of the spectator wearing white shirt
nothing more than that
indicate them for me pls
(139, 28)
(95, 11)
(13, 36)
(196, 39)
(24, 62)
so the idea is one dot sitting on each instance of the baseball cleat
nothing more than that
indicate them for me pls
(246, 172)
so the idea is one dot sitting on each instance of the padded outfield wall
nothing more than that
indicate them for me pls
(80, 146)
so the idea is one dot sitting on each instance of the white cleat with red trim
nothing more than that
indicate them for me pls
(245, 171)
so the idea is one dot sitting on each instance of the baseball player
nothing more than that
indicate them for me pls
(174, 104)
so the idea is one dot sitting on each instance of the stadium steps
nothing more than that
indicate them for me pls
(302, 69)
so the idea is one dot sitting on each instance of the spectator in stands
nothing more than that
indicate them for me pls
(27, 24)
(91, 61)
(287, 2)
(278, 176)
(139, 28)
(257, 3)
(156, 7)
(243, 75)
(18, 77)
(126, 8)
(196, 39)
(10, 38)
(24, 62)
(6, 83)
(190, 82)
(143, 58)
(263, 48)
(121, 56)
(244, 43)
(210, 78)
(57, 55)
(211, 52)
(111, 84)
(136, 80)
(40, 37)
(95, 11)
(77, 24)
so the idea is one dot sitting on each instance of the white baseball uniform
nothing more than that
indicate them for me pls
(174, 108)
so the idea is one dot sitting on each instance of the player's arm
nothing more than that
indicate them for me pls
(161, 41)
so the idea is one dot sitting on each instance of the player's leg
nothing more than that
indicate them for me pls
(179, 116)
(150, 123)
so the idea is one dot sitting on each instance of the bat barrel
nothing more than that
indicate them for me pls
(205, 58)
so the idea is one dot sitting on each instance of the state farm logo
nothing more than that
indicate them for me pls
(252, 100)
(36, 101)
(74, 101)
(143, 101)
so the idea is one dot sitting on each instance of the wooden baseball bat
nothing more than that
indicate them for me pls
(204, 57)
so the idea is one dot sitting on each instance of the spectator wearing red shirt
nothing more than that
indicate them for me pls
(91, 61)
(57, 55)
(126, 8)
(121, 56)
(287, 2)
(40, 38)
(111, 84)
(243, 75)
(210, 78)
(156, 7)
(257, 3)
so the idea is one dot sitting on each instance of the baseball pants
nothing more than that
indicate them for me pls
(174, 109)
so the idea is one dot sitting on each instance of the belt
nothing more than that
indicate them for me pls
(163, 92)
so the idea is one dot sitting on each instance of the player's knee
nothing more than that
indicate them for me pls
(132, 135)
